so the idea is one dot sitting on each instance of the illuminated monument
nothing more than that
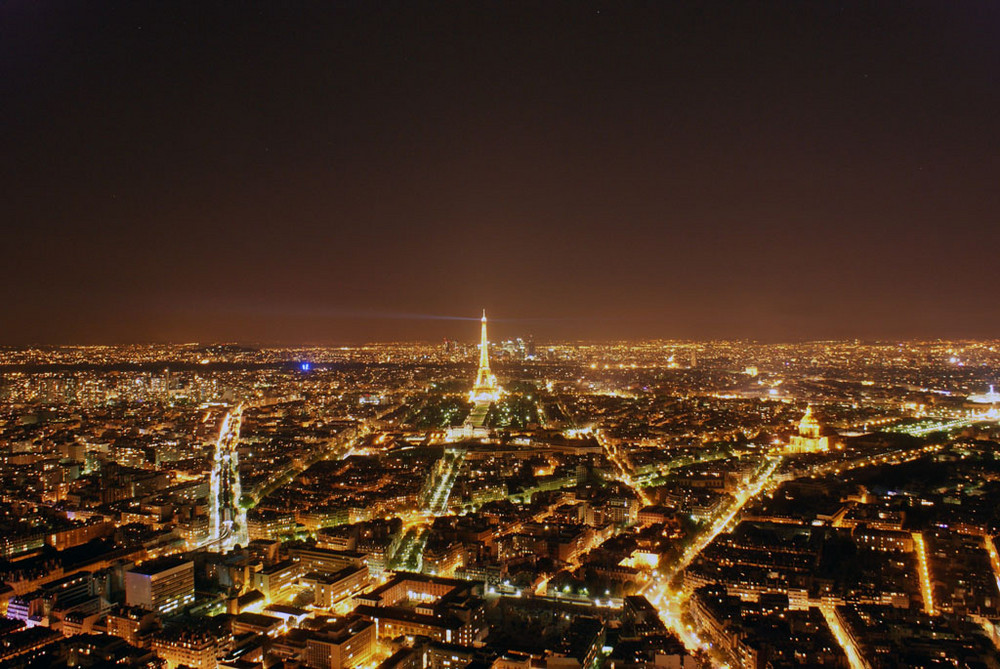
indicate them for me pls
(486, 389)
(809, 439)
(484, 392)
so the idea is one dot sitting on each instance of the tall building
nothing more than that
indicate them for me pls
(275, 580)
(485, 389)
(165, 586)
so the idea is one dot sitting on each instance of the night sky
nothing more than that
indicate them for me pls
(338, 171)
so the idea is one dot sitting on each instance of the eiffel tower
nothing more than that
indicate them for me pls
(486, 389)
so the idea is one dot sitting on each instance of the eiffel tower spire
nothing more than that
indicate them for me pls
(484, 356)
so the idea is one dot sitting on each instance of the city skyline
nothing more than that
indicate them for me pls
(569, 334)
(719, 504)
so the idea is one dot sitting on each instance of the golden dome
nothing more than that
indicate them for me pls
(809, 426)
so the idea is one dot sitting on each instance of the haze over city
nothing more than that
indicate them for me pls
(779, 171)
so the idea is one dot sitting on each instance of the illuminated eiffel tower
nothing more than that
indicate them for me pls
(486, 389)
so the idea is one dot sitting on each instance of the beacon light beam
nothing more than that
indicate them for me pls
(255, 308)
(241, 307)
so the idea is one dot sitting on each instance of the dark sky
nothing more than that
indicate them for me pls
(307, 172)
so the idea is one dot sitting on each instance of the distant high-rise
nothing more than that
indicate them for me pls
(486, 389)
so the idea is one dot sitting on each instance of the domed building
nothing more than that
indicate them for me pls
(810, 438)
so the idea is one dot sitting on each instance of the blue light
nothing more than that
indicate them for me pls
(304, 366)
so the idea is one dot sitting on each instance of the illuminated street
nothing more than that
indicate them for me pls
(672, 606)
(227, 517)
(923, 572)
(991, 548)
(830, 615)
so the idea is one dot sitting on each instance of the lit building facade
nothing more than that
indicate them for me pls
(189, 649)
(164, 586)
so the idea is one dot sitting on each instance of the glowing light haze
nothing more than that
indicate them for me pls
(332, 172)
